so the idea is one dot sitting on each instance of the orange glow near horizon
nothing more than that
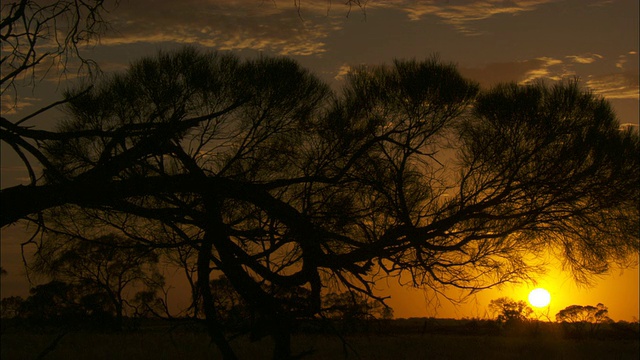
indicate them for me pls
(618, 291)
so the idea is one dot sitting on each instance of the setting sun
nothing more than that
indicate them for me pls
(539, 297)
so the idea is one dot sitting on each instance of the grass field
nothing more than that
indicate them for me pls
(195, 345)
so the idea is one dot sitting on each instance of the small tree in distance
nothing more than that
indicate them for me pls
(510, 311)
(353, 310)
(108, 265)
(58, 302)
(579, 321)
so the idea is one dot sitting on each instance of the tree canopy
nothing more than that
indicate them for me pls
(579, 321)
(510, 311)
(579, 313)
(285, 186)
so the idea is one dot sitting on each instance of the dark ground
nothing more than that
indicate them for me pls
(391, 339)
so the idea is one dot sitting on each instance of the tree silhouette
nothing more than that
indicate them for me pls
(55, 302)
(62, 304)
(353, 310)
(108, 267)
(580, 320)
(285, 187)
(588, 313)
(510, 311)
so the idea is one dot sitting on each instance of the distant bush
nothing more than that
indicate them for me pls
(583, 321)
(511, 316)
(60, 304)
(510, 311)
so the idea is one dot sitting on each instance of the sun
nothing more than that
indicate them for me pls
(539, 297)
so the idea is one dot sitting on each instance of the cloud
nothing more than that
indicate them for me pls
(461, 13)
(11, 105)
(585, 58)
(611, 85)
(621, 83)
(544, 71)
(625, 58)
(342, 72)
(281, 27)
(621, 61)
(615, 86)
(522, 72)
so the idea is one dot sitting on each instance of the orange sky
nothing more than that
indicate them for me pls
(491, 41)
(617, 290)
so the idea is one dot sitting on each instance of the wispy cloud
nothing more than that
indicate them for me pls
(615, 86)
(11, 106)
(625, 58)
(342, 72)
(461, 13)
(284, 27)
(281, 27)
(584, 59)
(547, 69)
(522, 72)
(620, 84)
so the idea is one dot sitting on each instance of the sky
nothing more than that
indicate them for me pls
(491, 41)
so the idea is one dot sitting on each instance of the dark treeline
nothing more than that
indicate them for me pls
(64, 321)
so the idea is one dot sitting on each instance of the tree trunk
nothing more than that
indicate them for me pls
(281, 335)
(213, 326)
(279, 326)
(119, 317)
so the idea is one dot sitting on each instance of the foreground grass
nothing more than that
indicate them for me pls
(194, 345)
